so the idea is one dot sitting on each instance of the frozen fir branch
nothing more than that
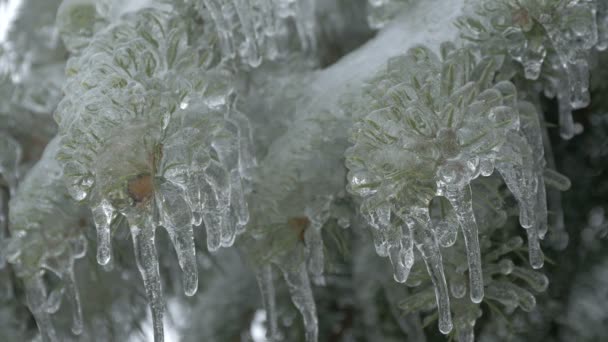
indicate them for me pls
(163, 143)
(551, 40)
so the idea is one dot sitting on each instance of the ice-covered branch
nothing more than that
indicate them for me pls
(47, 235)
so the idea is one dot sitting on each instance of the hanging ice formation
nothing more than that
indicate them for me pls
(257, 30)
(504, 282)
(47, 235)
(149, 132)
(433, 125)
(552, 41)
(10, 156)
(30, 75)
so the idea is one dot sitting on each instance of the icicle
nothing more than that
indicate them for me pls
(73, 295)
(266, 284)
(446, 226)
(542, 224)
(219, 180)
(147, 263)
(301, 296)
(578, 75)
(238, 201)
(249, 48)
(461, 200)
(103, 214)
(246, 154)
(534, 252)
(566, 123)
(176, 217)
(602, 25)
(402, 256)
(37, 302)
(223, 28)
(314, 244)
(517, 172)
(10, 157)
(317, 213)
(3, 223)
(426, 243)
(216, 210)
(183, 242)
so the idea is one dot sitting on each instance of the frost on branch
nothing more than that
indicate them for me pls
(47, 235)
(431, 127)
(552, 40)
(257, 30)
(149, 131)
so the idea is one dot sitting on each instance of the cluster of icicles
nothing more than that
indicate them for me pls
(435, 124)
(256, 30)
(149, 132)
(552, 40)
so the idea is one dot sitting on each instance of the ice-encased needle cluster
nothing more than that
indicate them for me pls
(433, 125)
(552, 41)
(47, 235)
(149, 131)
(258, 30)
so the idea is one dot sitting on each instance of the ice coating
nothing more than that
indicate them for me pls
(552, 40)
(10, 157)
(149, 131)
(47, 235)
(432, 126)
(266, 283)
(257, 30)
